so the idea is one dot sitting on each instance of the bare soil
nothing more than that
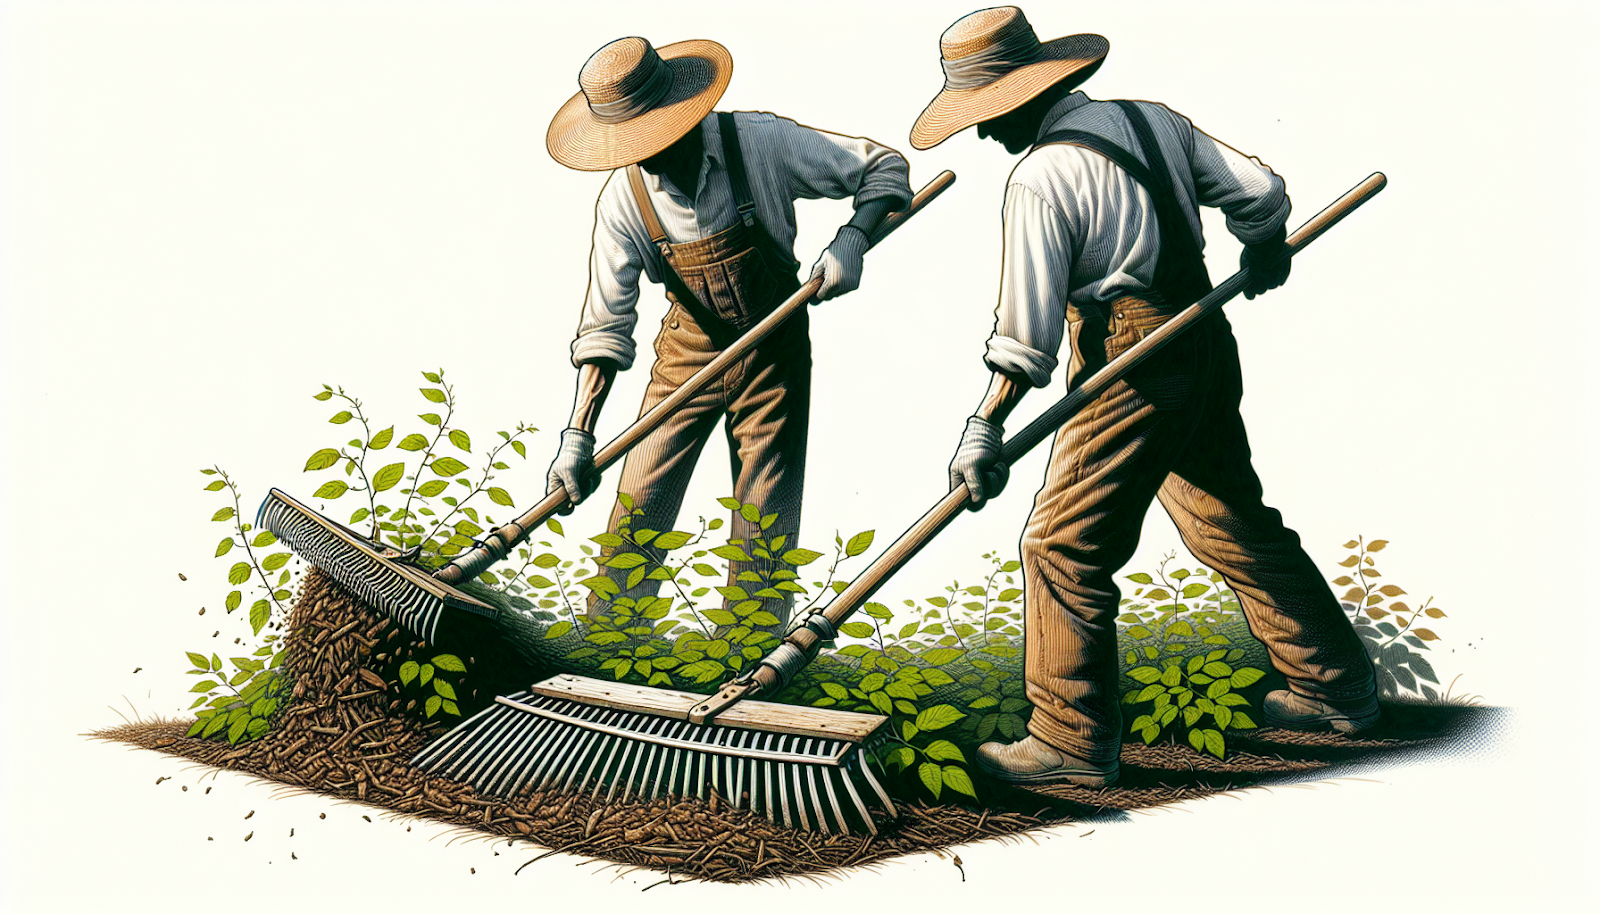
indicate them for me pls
(347, 734)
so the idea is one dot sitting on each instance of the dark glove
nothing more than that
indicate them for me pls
(977, 462)
(1266, 264)
(573, 468)
(840, 265)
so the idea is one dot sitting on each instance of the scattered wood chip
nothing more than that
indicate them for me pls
(249, 814)
(249, 836)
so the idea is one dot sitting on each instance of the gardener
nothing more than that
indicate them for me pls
(703, 204)
(1102, 245)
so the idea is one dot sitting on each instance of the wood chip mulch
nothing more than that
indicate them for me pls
(345, 735)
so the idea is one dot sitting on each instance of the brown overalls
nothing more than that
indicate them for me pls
(1171, 431)
(719, 287)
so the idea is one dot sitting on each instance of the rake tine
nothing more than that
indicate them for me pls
(492, 733)
(650, 748)
(861, 807)
(799, 796)
(833, 798)
(815, 793)
(739, 766)
(766, 768)
(600, 775)
(783, 787)
(528, 740)
(443, 751)
(677, 729)
(700, 781)
(513, 776)
(549, 769)
(866, 769)
(589, 744)
(636, 749)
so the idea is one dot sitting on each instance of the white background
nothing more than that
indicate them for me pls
(213, 208)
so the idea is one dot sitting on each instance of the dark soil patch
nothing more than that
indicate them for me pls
(347, 734)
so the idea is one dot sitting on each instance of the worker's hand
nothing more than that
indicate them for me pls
(977, 462)
(573, 468)
(840, 265)
(1266, 264)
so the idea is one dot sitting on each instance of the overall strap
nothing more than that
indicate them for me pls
(647, 211)
(1180, 267)
(733, 154)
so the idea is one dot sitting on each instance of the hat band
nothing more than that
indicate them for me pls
(630, 106)
(978, 70)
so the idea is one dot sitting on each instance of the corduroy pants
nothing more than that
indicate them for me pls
(1170, 431)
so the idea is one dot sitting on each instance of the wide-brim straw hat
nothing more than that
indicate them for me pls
(635, 100)
(994, 62)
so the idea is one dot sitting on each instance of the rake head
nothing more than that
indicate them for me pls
(807, 768)
(373, 572)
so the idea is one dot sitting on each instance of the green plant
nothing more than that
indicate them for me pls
(433, 691)
(429, 522)
(1182, 658)
(1388, 627)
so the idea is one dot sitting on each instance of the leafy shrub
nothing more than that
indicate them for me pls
(1182, 660)
(1388, 627)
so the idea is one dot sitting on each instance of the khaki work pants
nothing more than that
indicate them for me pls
(766, 400)
(1169, 431)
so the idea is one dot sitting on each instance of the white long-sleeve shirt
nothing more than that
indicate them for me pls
(1078, 228)
(784, 161)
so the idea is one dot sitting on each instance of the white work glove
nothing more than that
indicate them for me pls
(840, 265)
(977, 462)
(573, 468)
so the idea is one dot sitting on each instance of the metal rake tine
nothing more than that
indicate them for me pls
(646, 757)
(782, 769)
(487, 737)
(616, 743)
(766, 768)
(799, 794)
(490, 756)
(444, 750)
(833, 799)
(585, 746)
(677, 727)
(866, 769)
(815, 793)
(700, 781)
(738, 770)
(636, 749)
(513, 776)
(550, 766)
(528, 740)
(861, 807)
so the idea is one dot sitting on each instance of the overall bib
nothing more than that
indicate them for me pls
(719, 287)
(1169, 431)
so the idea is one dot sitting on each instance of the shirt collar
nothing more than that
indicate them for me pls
(711, 157)
(1059, 111)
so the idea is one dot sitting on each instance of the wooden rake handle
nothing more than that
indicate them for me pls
(801, 644)
(502, 540)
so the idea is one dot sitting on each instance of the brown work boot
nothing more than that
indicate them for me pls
(1293, 711)
(1034, 761)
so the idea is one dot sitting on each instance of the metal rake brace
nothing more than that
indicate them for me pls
(418, 599)
(808, 768)
(542, 738)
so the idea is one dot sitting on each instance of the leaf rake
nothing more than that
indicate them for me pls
(417, 598)
(571, 733)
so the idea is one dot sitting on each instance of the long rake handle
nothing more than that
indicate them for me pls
(502, 540)
(800, 645)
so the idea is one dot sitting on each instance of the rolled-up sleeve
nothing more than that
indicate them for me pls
(1251, 196)
(831, 165)
(605, 329)
(1035, 272)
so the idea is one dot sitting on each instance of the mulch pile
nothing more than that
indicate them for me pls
(345, 734)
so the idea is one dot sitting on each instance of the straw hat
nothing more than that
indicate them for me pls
(994, 62)
(636, 100)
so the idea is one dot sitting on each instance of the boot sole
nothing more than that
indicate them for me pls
(1343, 724)
(1075, 778)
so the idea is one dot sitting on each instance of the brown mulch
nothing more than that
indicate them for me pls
(346, 735)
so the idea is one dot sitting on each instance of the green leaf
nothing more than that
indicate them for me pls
(223, 547)
(1214, 742)
(625, 560)
(450, 663)
(413, 442)
(341, 417)
(445, 689)
(331, 489)
(388, 477)
(319, 395)
(239, 573)
(932, 777)
(447, 466)
(731, 552)
(321, 460)
(1144, 674)
(942, 750)
(957, 779)
(204, 685)
(461, 439)
(500, 496)
(799, 557)
(1141, 578)
(557, 630)
(858, 544)
(1245, 677)
(833, 689)
(857, 629)
(941, 656)
(275, 561)
(408, 671)
(434, 395)
(1195, 590)
(432, 705)
(223, 514)
(260, 614)
(938, 717)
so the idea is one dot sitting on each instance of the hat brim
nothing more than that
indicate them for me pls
(701, 70)
(1075, 57)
